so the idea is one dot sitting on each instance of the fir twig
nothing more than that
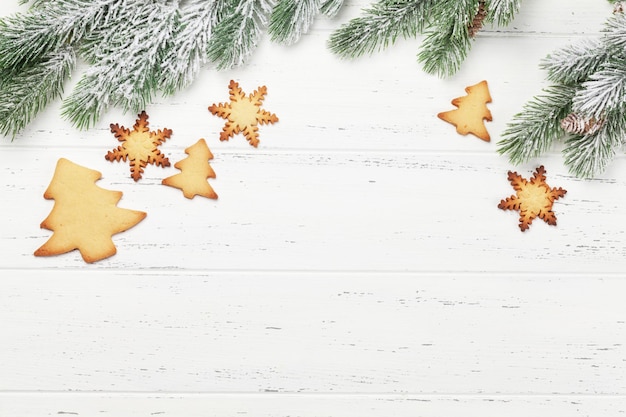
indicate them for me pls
(588, 155)
(380, 26)
(450, 24)
(189, 44)
(125, 64)
(291, 18)
(502, 12)
(532, 131)
(25, 38)
(575, 63)
(330, 8)
(237, 35)
(443, 53)
(604, 91)
(445, 49)
(24, 94)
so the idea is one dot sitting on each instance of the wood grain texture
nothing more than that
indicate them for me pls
(355, 264)
(313, 333)
(273, 405)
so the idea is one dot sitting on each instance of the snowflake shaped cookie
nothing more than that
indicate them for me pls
(533, 198)
(243, 114)
(139, 146)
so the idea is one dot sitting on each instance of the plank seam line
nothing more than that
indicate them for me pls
(282, 272)
(192, 394)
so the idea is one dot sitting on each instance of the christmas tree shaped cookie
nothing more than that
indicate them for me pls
(139, 146)
(533, 198)
(472, 111)
(84, 216)
(195, 170)
(243, 114)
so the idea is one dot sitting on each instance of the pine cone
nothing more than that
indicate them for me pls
(477, 23)
(576, 124)
(618, 8)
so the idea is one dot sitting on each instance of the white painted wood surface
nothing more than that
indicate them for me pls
(355, 264)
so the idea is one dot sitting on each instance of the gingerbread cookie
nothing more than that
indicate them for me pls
(139, 146)
(84, 216)
(195, 170)
(472, 111)
(533, 198)
(243, 114)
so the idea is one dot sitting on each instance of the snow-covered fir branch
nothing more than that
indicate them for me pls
(380, 26)
(588, 155)
(450, 26)
(25, 38)
(136, 48)
(236, 36)
(502, 12)
(533, 130)
(604, 91)
(24, 94)
(615, 31)
(291, 18)
(189, 44)
(125, 67)
(446, 47)
(593, 72)
(330, 8)
(575, 63)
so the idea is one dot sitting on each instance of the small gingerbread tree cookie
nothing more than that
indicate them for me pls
(243, 114)
(533, 198)
(472, 111)
(84, 216)
(139, 146)
(195, 170)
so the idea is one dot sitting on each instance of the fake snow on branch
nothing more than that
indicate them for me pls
(585, 107)
(449, 27)
(135, 49)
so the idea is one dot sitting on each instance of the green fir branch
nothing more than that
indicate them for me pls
(189, 44)
(125, 69)
(380, 26)
(238, 34)
(615, 32)
(35, 3)
(446, 47)
(533, 130)
(575, 63)
(25, 38)
(502, 12)
(330, 8)
(25, 93)
(604, 91)
(292, 18)
(587, 156)
(443, 53)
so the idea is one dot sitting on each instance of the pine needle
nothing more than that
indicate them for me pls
(26, 93)
(533, 130)
(380, 26)
(292, 18)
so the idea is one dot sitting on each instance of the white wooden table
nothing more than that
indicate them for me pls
(354, 265)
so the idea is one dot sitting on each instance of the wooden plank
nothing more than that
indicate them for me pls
(330, 211)
(273, 405)
(384, 102)
(416, 334)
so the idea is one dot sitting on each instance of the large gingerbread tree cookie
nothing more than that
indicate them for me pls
(84, 216)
